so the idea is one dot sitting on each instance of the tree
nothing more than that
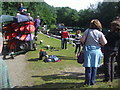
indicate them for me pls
(45, 11)
(67, 16)
(105, 12)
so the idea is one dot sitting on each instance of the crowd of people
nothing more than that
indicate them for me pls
(94, 39)
(113, 43)
(23, 11)
(5, 81)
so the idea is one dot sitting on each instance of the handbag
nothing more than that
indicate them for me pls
(80, 56)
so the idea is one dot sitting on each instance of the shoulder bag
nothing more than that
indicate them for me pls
(80, 57)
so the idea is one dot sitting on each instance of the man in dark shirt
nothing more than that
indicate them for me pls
(21, 9)
(118, 59)
(112, 39)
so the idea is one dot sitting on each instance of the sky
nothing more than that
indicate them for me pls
(74, 4)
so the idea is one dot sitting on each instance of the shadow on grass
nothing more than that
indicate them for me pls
(63, 75)
(60, 84)
(57, 86)
(66, 58)
(33, 59)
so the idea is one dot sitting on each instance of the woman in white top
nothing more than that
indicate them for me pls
(93, 39)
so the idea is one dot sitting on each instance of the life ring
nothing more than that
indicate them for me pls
(30, 28)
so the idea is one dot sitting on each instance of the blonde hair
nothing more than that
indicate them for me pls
(95, 24)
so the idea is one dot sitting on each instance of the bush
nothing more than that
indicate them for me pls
(52, 27)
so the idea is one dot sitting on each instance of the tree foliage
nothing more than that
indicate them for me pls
(105, 12)
(45, 11)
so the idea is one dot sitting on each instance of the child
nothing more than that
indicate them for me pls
(42, 53)
(77, 42)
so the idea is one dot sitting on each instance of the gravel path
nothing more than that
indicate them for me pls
(17, 70)
(19, 75)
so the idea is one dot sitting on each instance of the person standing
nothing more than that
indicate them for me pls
(118, 58)
(77, 42)
(65, 37)
(112, 37)
(4, 78)
(93, 39)
(62, 26)
(37, 25)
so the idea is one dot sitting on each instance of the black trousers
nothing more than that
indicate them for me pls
(107, 62)
(118, 62)
(78, 47)
(36, 31)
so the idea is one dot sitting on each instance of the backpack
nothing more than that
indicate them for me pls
(51, 58)
(42, 54)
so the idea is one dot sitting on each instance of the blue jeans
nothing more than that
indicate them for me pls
(90, 75)
(64, 43)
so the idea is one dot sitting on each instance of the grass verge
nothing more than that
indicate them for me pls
(65, 74)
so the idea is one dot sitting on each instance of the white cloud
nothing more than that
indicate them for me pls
(74, 4)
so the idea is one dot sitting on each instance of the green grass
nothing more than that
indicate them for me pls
(74, 32)
(65, 74)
